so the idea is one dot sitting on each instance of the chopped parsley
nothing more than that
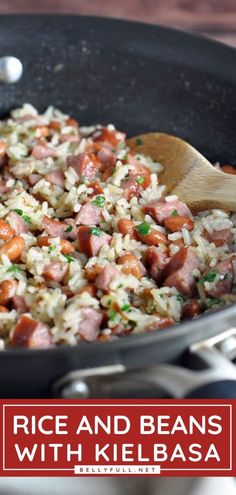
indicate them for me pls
(26, 218)
(140, 179)
(143, 228)
(68, 258)
(19, 212)
(180, 298)
(99, 201)
(96, 231)
(212, 302)
(209, 277)
(132, 323)
(175, 213)
(51, 248)
(139, 141)
(14, 268)
(113, 314)
(69, 228)
(125, 307)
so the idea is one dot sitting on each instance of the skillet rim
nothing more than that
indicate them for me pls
(177, 330)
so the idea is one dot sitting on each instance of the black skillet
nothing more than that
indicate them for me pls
(141, 78)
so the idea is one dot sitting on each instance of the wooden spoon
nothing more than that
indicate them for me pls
(187, 173)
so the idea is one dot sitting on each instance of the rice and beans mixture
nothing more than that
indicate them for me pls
(91, 248)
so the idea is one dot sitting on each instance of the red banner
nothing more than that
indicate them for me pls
(118, 438)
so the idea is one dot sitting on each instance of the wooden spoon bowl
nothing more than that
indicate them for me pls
(187, 173)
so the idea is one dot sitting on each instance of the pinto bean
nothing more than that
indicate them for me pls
(6, 232)
(191, 308)
(90, 289)
(42, 131)
(174, 224)
(153, 238)
(3, 148)
(228, 169)
(97, 188)
(126, 227)
(3, 309)
(66, 246)
(160, 323)
(110, 138)
(13, 248)
(55, 125)
(92, 272)
(72, 123)
(7, 291)
(131, 265)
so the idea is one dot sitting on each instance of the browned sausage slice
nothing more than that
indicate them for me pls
(130, 265)
(178, 272)
(105, 277)
(220, 237)
(85, 165)
(161, 209)
(92, 240)
(156, 260)
(89, 325)
(31, 333)
(55, 271)
(89, 214)
(225, 283)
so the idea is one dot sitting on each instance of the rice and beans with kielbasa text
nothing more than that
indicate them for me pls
(91, 248)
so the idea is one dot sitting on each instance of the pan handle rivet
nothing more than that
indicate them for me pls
(11, 69)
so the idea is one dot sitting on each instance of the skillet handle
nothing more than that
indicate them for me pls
(214, 376)
(224, 389)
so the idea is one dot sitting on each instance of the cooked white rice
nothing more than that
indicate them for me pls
(59, 306)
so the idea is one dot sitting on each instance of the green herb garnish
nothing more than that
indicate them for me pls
(125, 307)
(96, 231)
(132, 323)
(139, 141)
(51, 248)
(174, 213)
(143, 228)
(196, 278)
(209, 277)
(140, 180)
(225, 276)
(212, 302)
(19, 212)
(68, 258)
(180, 298)
(14, 268)
(26, 218)
(99, 201)
(113, 314)
(69, 229)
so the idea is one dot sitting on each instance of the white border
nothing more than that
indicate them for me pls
(119, 405)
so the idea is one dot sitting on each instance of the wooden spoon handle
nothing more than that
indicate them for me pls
(202, 191)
